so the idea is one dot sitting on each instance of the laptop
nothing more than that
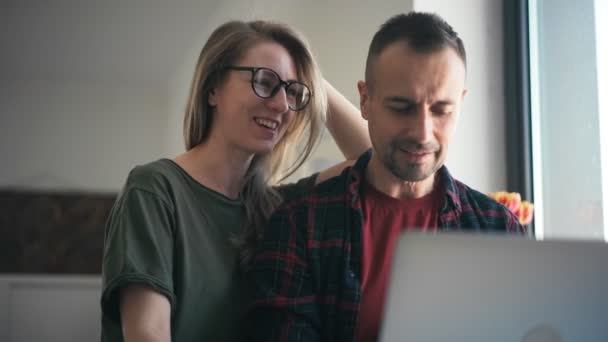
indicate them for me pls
(474, 288)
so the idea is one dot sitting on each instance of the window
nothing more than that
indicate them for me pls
(568, 112)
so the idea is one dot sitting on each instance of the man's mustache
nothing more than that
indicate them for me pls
(413, 146)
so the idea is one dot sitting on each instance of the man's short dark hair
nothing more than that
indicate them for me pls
(424, 33)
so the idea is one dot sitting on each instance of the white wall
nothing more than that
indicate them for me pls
(83, 87)
(478, 153)
(77, 136)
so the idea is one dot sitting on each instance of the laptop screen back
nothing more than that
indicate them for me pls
(461, 287)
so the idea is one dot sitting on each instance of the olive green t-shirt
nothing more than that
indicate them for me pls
(169, 232)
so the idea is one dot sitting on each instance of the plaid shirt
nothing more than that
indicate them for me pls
(307, 270)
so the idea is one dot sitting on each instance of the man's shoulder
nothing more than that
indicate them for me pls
(318, 215)
(332, 190)
(468, 195)
(474, 201)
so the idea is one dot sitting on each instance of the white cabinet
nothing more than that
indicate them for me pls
(49, 308)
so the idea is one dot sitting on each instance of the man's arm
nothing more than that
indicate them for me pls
(145, 315)
(285, 306)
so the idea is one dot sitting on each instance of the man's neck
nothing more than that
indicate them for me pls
(216, 166)
(382, 179)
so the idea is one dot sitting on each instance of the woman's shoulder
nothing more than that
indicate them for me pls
(158, 176)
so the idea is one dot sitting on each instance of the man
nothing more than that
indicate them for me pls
(322, 267)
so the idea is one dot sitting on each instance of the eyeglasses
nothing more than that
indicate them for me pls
(266, 83)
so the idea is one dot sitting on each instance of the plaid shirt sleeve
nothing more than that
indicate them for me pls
(284, 306)
(513, 225)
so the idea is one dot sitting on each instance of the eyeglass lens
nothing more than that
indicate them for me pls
(266, 83)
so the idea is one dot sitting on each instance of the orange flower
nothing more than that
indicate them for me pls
(526, 212)
(512, 200)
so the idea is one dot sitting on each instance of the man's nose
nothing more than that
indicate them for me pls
(422, 129)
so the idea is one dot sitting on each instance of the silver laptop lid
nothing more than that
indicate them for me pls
(462, 287)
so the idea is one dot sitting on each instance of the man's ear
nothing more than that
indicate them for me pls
(363, 98)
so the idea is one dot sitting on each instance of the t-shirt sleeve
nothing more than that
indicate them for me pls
(299, 188)
(138, 247)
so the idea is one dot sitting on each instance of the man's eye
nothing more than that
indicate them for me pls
(443, 112)
(400, 109)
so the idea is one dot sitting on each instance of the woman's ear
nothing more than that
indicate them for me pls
(212, 100)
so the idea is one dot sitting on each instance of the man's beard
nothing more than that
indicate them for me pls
(408, 171)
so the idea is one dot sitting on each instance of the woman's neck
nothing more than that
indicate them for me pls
(216, 166)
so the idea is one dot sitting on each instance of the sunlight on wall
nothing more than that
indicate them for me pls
(601, 38)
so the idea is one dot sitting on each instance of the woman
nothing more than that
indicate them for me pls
(175, 234)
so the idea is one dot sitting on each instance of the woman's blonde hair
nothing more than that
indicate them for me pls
(226, 45)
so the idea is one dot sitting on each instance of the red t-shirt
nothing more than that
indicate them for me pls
(385, 218)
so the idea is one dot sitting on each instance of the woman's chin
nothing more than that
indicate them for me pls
(261, 148)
